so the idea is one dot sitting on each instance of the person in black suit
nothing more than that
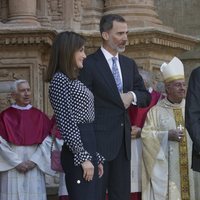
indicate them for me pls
(113, 94)
(192, 116)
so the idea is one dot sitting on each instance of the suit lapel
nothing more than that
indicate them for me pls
(125, 73)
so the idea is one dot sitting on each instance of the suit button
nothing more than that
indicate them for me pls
(122, 124)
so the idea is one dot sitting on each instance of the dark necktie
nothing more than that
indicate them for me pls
(116, 74)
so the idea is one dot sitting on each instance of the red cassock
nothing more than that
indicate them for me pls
(24, 127)
(138, 115)
(137, 118)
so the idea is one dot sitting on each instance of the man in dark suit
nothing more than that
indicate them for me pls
(115, 83)
(192, 116)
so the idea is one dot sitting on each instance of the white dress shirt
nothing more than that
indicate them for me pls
(108, 57)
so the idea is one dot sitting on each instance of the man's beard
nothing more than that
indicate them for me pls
(115, 47)
(120, 50)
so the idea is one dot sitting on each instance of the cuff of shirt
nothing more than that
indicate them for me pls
(134, 102)
(81, 157)
(100, 158)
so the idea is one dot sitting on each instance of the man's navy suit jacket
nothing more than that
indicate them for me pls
(112, 123)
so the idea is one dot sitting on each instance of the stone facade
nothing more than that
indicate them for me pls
(28, 27)
(182, 15)
(24, 55)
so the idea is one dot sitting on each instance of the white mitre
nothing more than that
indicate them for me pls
(174, 70)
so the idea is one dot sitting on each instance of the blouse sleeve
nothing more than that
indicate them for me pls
(100, 158)
(61, 102)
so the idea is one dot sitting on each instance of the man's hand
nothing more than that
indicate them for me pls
(25, 166)
(136, 132)
(88, 170)
(127, 99)
(30, 164)
(22, 167)
(175, 135)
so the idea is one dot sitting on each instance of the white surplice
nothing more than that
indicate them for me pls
(136, 157)
(29, 185)
(160, 157)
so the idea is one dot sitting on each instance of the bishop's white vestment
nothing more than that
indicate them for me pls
(166, 165)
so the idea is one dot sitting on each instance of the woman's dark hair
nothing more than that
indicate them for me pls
(62, 54)
(106, 22)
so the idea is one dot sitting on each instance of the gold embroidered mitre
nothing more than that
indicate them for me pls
(174, 70)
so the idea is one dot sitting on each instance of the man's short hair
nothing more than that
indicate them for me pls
(106, 22)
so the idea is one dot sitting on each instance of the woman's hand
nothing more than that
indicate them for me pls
(100, 170)
(88, 170)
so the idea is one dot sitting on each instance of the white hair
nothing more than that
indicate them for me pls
(147, 77)
(15, 84)
(160, 87)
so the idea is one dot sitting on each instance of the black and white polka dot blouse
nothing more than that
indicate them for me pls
(73, 103)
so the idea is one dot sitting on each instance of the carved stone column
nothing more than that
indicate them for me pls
(92, 12)
(42, 13)
(23, 12)
(138, 13)
(3, 11)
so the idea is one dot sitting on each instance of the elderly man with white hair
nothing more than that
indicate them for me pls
(166, 146)
(24, 148)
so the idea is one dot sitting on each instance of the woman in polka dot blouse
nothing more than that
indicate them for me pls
(73, 105)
